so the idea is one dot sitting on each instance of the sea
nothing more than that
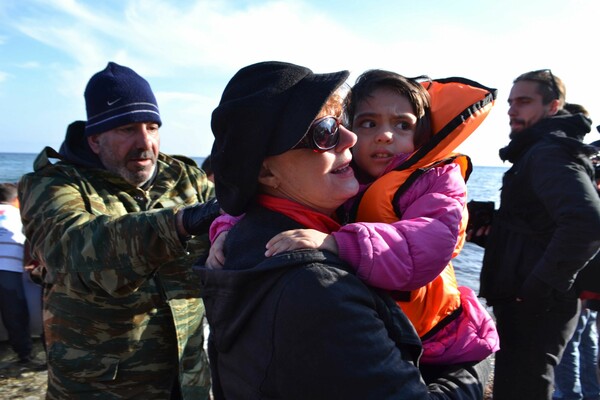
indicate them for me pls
(483, 185)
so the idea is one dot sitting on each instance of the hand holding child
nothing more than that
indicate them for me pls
(216, 255)
(300, 239)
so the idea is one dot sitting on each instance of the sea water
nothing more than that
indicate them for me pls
(483, 185)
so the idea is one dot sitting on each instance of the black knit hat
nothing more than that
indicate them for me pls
(265, 110)
(118, 96)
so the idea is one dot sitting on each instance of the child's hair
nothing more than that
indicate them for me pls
(8, 192)
(416, 94)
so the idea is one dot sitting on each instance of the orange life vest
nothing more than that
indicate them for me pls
(458, 106)
(439, 300)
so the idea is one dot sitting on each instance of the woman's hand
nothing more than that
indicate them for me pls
(216, 256)
(300, 239)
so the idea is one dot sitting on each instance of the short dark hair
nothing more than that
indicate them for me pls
(8, 192)
(417, 95)
(550, 86)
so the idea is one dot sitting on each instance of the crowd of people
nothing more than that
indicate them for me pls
(315, 242)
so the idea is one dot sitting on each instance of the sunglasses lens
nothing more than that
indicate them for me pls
(326, 133)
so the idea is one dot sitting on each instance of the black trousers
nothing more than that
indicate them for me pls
(531, 344)
(176, 391)
(15, 313)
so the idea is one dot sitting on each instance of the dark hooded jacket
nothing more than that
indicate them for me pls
(548, 223)
(300, 325)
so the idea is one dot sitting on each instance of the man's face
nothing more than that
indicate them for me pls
(130, 151)
(526, 107)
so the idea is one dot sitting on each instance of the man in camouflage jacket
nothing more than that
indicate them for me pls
(117, 226)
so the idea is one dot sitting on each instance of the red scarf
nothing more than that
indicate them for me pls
(303, 215)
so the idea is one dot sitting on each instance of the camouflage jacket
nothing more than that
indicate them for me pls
(118, 278)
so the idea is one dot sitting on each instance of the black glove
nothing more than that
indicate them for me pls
(196, 219)
(481, 215)
(536, 294)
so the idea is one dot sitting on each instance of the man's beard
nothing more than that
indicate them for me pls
(136, 177)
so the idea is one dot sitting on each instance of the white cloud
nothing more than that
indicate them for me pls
(162, 35)
(188, 50)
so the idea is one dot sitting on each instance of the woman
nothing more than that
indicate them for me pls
(299, 325)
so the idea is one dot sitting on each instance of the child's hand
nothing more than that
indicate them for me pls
(216, 257)
(300, 239)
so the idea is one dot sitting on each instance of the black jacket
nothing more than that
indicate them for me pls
(301, 326)
(548, 224)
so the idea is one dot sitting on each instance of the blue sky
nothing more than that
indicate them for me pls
(189, 49)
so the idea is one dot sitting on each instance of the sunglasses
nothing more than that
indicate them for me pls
(323, 135)
(553, 84)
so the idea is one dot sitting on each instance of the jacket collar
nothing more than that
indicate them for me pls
(569, 129)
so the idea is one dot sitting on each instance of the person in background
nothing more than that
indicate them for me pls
(300, 324)
(34, 287)
(13, 301)
(117, 226)
(593, 296)
(207, 168)
(545, 231)
(575, 377)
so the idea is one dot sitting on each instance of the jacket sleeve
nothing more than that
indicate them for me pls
(566, 189)
(409, 253)
(221, 224)
(344, 342)
(90, 250)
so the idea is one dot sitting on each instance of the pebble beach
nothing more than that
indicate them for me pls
(18, 383)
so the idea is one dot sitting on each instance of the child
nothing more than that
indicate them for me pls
(14, 311)
(408, 233)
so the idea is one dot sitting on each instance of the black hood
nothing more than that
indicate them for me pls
(75, 148)
(575, 126)
(569, 129)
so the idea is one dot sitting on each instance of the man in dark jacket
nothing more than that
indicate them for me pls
(546, 230)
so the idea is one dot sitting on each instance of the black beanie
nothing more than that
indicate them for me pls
(118, 96)
(265, 110)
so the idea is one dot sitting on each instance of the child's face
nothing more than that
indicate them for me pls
(385, 126)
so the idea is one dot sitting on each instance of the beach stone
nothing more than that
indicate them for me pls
(17, 382)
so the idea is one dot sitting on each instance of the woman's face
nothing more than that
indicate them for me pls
(321, 181)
